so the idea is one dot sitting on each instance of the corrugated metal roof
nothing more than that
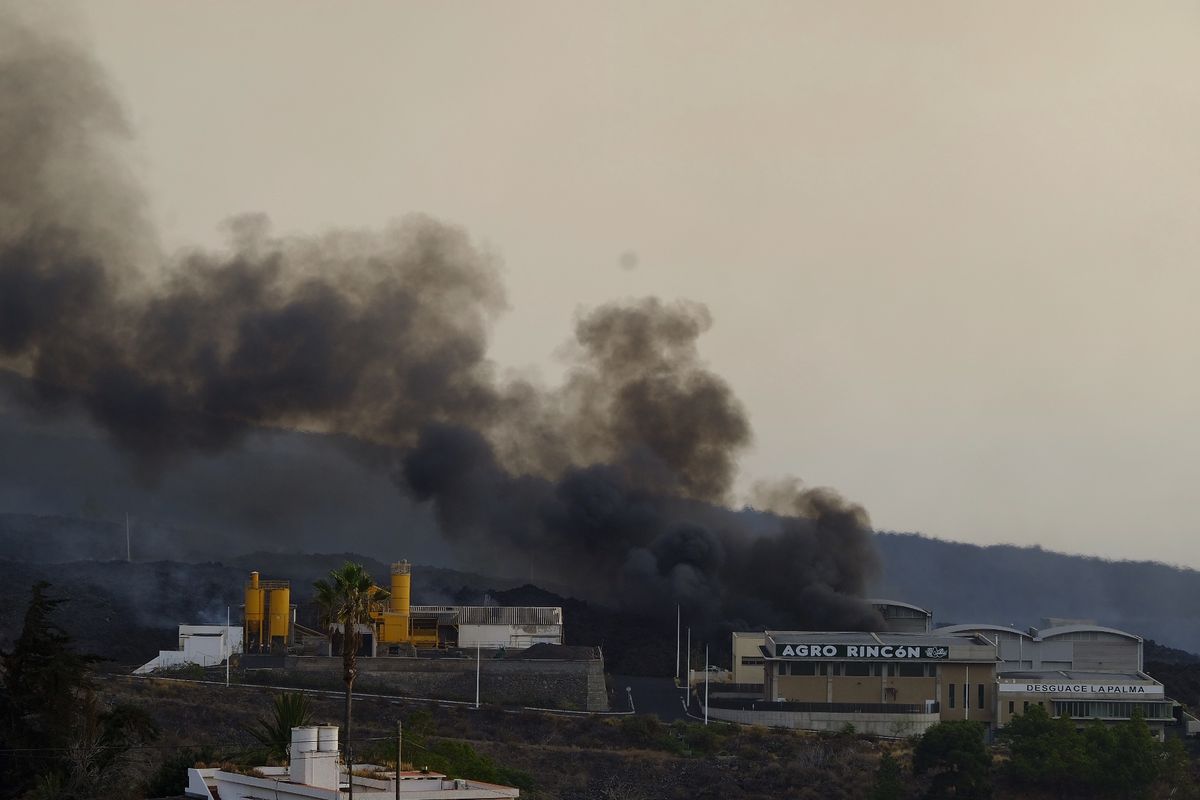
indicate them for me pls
(509, 615)
(491, 615)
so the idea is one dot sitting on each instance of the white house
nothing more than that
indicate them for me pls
(206, 645)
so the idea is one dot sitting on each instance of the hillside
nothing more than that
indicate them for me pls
(1020, 586)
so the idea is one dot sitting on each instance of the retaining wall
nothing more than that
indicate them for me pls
(889, 725)
(577, 685)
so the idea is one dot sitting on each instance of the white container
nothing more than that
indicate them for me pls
(304, 739)
(327, 738)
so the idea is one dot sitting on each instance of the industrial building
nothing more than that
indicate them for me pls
(505, 654)
(901, 682)
(317, 772)
(397, 627)
(1079, 670)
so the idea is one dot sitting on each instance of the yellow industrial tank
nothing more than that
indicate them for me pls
(395, 621)
(255, 596)
(401, 587)
(280, 611)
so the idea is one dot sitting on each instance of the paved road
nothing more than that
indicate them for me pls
(656, 696)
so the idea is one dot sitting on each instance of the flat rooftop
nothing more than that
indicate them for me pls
(1058, 675)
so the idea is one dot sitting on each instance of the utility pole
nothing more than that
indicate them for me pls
(705, 684)
(678, 621)
(478, 662)
(128, 551)
(400, 750)
(688, 685)
(228, 647)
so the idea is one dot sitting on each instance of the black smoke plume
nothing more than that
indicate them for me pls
(615, 482)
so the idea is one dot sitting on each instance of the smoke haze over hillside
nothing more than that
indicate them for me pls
(614, 481)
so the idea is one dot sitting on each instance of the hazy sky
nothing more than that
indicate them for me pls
(950, 248)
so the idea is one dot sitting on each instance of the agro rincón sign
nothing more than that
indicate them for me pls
(881, 651)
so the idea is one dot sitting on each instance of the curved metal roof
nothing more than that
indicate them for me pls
(900, 604)
(968, 628)
(1050, 633)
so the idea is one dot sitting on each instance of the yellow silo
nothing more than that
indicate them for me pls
(395, 621)
(280, 611)
(401, 587)
(254, 611)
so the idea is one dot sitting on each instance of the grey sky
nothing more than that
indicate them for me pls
(950, 248)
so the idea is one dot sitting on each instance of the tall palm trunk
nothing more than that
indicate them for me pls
(349, 673)
(349, 598)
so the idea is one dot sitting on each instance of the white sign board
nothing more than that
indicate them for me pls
(1124, 689)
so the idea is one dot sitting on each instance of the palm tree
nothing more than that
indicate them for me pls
(346, 599)
(274, 732)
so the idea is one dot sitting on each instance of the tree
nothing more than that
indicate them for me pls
(889, 785)
(1124, 758)
(1103, 760)
(954, 755)
(346, 599)
(43, 681)
(274, 732)
(58, 740)
(1045, 751)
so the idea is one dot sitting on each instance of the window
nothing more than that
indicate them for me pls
(857, 669)
(931, 670)
(952, 695)
(1011, 706)
(804, 668)
(823, 668)
(751, 661)
(1026, 706)
(981, 695)
(910, 670)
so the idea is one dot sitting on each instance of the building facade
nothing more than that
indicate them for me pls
(901, 682)
(890, 684)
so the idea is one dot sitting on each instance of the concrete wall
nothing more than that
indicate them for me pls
(891, 725)
(803, 688)
(577, 685)
(510, 636)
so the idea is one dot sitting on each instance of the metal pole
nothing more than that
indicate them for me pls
(967, 693)
(688, 685)
(678, 620)
(478, 662)
(228, 647)
(705, 684)
(128, 551)
(399, 753)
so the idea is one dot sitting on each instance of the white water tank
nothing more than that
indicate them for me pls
(304, 739)
(304, 746)
(327, 738)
